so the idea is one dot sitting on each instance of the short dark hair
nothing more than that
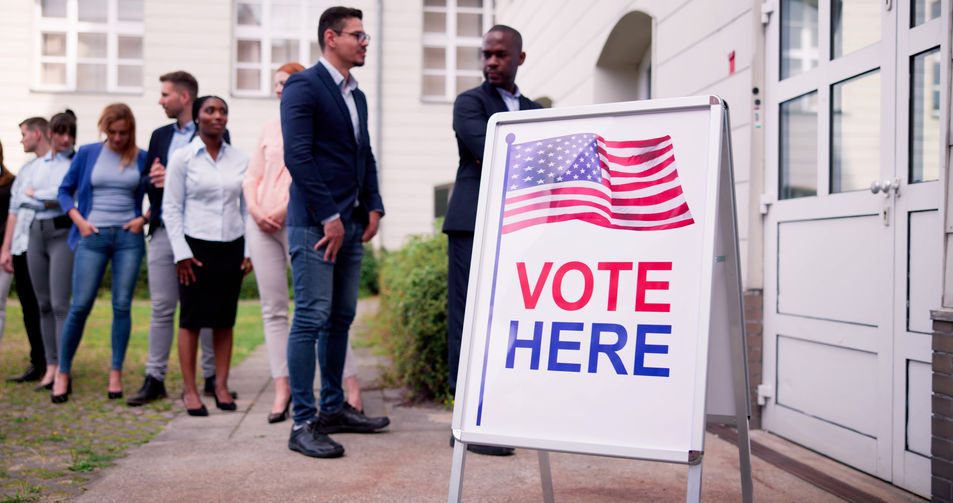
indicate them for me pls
(502, 28)
(37, 124)
(334, 18)
(64, 122)
(184, 81)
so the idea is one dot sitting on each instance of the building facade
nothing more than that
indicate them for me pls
(840, 120)
(840, 117)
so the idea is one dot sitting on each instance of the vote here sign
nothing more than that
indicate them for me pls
(590, 282)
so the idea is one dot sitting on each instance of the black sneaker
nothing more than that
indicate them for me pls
(152, 389)
(349, 420)
(30, 374)
(310, 442)
(209, 389)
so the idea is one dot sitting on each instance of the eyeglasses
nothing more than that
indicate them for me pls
(359, 35)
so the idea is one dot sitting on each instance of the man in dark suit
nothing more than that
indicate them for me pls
(502, 54)
(334, 207)
(179, 90)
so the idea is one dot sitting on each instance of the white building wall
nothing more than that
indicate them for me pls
(415, 147)
(690, 47)
(178, 35)
(419, 150)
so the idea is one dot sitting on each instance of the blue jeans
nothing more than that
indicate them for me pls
(126, 249)
(325, 303)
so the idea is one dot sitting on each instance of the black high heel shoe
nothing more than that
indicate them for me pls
(113, 395)
(65, 396)
(229, 407)
(200, 411)
(279, 416)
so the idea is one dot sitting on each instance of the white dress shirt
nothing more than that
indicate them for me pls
(203, 197)
(25, 214)
(511, 100)
(46, 180)
(347, 87)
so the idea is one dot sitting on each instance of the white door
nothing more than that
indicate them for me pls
(852, 243)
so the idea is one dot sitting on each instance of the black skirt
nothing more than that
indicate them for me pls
(211, 301)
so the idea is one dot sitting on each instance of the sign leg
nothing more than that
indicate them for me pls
(744, 460)
(456, 472)
(545, 476)
(694, 494)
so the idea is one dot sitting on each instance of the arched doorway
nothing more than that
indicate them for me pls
(624, 69)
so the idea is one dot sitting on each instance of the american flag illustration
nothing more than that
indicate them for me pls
(630, 185)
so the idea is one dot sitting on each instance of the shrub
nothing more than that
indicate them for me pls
(370, 273)
(413, 285)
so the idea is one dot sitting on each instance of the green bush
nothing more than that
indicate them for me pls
(413, 301)
(370, 273)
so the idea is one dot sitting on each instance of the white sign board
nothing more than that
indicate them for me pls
(589, 301)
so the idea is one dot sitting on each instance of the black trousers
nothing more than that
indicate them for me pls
(459, 250)
(31, 311)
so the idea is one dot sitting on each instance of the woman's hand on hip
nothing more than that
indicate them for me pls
(183, 269)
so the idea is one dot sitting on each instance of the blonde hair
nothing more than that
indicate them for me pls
(117, 112)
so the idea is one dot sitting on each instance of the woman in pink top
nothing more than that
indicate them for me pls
(266, 195)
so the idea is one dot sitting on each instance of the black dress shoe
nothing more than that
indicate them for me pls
(310, 442)
(152, 389)
(30, 374)
(209, 389)
(280, 416)
(486, 450)
(349, 420)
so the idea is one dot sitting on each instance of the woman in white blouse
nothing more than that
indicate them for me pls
(204, 213)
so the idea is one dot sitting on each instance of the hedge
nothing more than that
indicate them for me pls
(413, 301)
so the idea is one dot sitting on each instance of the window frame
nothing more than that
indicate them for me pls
(71, 27)
(449, 41)
(306, 35)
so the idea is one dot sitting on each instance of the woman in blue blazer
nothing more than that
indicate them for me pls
(102, 196)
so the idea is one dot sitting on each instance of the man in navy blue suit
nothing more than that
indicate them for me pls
(334, 207)
(501, 54)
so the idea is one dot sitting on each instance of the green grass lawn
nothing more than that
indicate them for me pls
(50, 452)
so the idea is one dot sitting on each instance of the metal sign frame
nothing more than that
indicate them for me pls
(720, 380)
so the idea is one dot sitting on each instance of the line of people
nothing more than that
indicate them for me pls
(70, 212)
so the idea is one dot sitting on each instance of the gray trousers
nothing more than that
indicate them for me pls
(50, 262)
(164, 291)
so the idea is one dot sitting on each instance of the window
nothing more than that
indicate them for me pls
(89, 45)
(453, 35)
(268, 34)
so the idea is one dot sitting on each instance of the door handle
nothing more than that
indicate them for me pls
(886, 186)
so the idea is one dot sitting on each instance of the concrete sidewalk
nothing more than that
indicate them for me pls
(238, 456)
